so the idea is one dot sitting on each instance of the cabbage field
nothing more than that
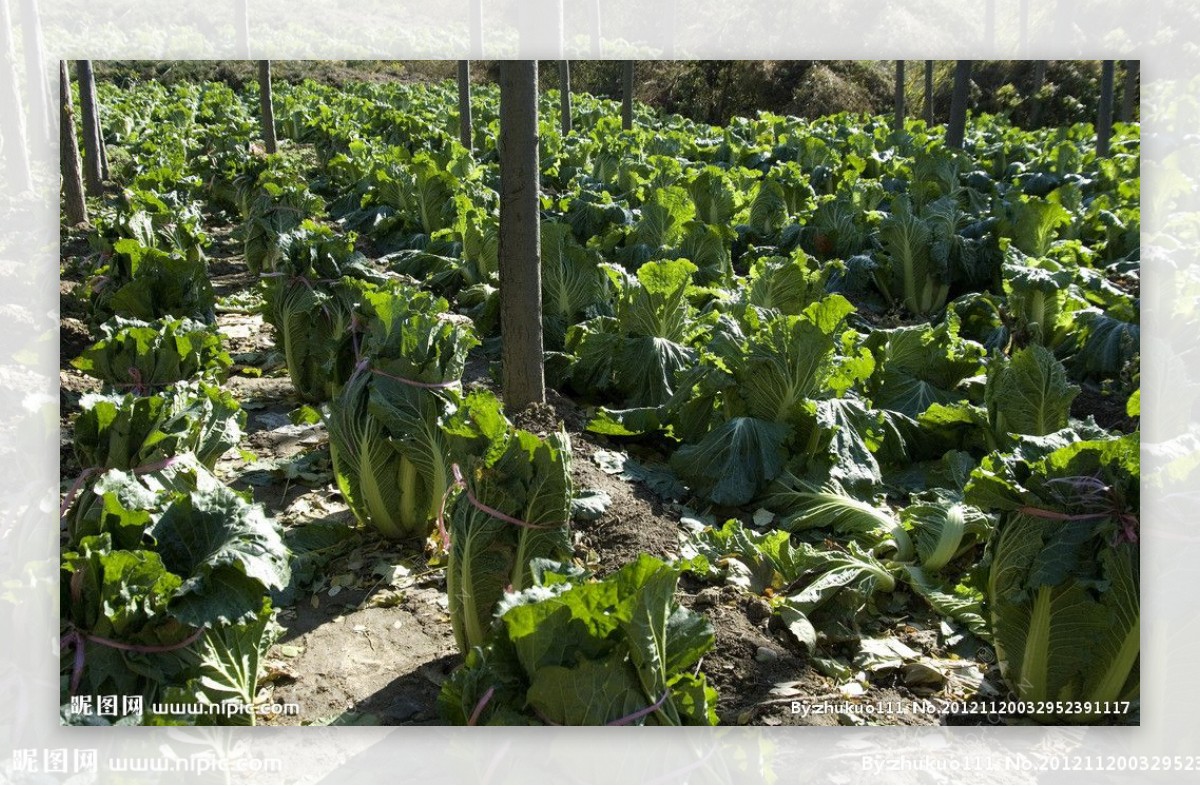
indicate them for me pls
(837, 415)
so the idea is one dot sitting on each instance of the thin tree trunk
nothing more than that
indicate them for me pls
(1039, 79)
(15, 152)
(40, 117)
(1128, 100)
(94, 101)
(268, 108)
(595, 28)
(957, 127)
(104, 172)
(241, 28)
(564, 89)
(100, 146)
(1104, 118)
(72, 168)
(93, 172)
(464, 103)
(929, 92)
(718, 116)
(520, 237)
(475, 29)
(627, 93)
(899, 96)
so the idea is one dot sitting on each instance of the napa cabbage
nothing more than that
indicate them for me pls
(569, 651)
(391, 458)
(1063, 571)
(524, 479)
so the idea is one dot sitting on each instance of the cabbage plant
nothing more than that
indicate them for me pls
(573, 652)
(180, 580)
(142, 282)
(1062, 586)
(514, 508)
(310, 301)
(126, 431)
(391, 457)
(137, 356)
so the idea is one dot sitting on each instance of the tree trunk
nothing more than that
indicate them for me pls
(90, 106)
(929, 92)
(520, 237)
(93, 171)
(268, 108)
(475, 29)
(564, 89)
(627, 102)
(1039, 79)
(72, 168)
(1104, 118)
(899, 96)
(464, 104)
(103, 154)
(241, 28)
(595, 28)
(40, 117)
(957, 127)
(1129, 99)
(15, 152)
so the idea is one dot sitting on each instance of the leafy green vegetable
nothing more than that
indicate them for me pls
(229, 662)
(786, 377)
(786, 284)
(960, 601)
(1032, 224)
(228, 552)
(120, 595)
(1029, 394)
(918, 366)
(638, 354)
(275, 206)
(529, 480)
(831, 508)
(390, 456)
(310, 301)
(574, 285)
(826, 586)
(941, 530)
(790, 359)
(733, 461)
(145, 283)
(573, 652)
(143, 356)
(208, 560)
(1062, 588)
(155, 215)
(123, 432)
(916, 277)
(1110, 343)
(1039, 300)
